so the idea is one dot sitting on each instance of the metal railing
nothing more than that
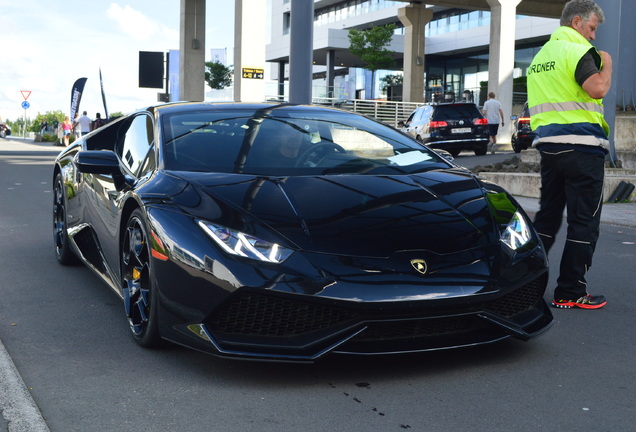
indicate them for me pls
(386, 111)
(389, 112)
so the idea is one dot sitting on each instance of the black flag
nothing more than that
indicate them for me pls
(101, 83)
(76, 96)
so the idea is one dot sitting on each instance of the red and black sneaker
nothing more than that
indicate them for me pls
(585, 302)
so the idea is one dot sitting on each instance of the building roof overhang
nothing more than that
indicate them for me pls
(540, 8)
(343, 58)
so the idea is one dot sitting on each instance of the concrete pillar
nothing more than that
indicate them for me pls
(281, 80)
(615, 36)
(501, 61)
(192, 51)
(414, 17)
(301, 37)
(249, 50)
(331, 70)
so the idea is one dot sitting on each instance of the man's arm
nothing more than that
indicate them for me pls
(598, 85)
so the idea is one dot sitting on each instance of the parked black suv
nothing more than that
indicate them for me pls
(522, 135)
(4, 130)
(450, 126)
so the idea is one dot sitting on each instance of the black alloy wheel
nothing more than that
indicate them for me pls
(139, 298)
(63, 252)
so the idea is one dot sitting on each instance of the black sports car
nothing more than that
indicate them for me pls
(286, 232)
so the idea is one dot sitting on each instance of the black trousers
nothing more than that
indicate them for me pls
(574, 179)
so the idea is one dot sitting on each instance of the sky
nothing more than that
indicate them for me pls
(45, 45)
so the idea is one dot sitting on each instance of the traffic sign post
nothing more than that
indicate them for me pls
(25, 105)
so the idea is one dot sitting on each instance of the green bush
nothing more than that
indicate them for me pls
(49, 138)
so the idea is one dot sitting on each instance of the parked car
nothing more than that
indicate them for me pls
(522, 134)
(450, 126)
(285, 232)
(4, 130)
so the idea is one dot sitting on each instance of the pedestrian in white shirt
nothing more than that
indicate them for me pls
(494, 114)
(85, 124)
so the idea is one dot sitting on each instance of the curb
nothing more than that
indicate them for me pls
(16, 404)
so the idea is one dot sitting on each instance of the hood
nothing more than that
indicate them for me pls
(439, 211)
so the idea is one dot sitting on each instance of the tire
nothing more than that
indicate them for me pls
(454, 152)
(516, 146)
(3, 134)
(61, 241)
(140, 299)
(482, 150)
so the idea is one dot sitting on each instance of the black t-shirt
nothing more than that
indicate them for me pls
(588, 66)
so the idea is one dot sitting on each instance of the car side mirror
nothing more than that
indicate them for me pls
(102, 162)
(97, 162)
(514, 117)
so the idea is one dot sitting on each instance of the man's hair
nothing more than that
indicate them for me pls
(491, 95)
(582, 8)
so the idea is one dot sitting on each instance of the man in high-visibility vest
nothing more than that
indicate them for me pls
(566, 83)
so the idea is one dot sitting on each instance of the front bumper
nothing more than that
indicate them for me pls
(277, 326)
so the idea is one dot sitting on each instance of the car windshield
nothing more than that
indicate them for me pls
(289, 140)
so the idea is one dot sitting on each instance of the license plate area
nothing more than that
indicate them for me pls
(461, 130)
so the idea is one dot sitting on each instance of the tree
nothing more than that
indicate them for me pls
(370, 46)
(391, 81)
(49, 116)
(217, 75)
(391, 84)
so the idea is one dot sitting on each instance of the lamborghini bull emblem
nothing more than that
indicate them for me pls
(419, 265)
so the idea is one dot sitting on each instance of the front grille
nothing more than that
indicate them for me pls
(268, 315)
(519, 300)
(264, 315)
(408, 329)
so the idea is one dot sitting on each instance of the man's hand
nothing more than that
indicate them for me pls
(606, 58)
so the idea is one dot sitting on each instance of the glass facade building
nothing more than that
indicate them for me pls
(456, 48)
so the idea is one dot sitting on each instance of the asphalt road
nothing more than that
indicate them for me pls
(66, 333)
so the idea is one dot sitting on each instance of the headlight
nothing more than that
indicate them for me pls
(517, 233)
(244, 245)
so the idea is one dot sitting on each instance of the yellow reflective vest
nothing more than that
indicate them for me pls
(561, 111)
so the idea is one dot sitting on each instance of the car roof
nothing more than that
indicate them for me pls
(176, 107)
(454, 104)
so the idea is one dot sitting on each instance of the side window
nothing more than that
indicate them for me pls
(410, 119)
(136, 144)
(418, 115)
(426, 115)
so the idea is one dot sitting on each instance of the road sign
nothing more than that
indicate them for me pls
(25, 94)
(25, 105)
(253, 73)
